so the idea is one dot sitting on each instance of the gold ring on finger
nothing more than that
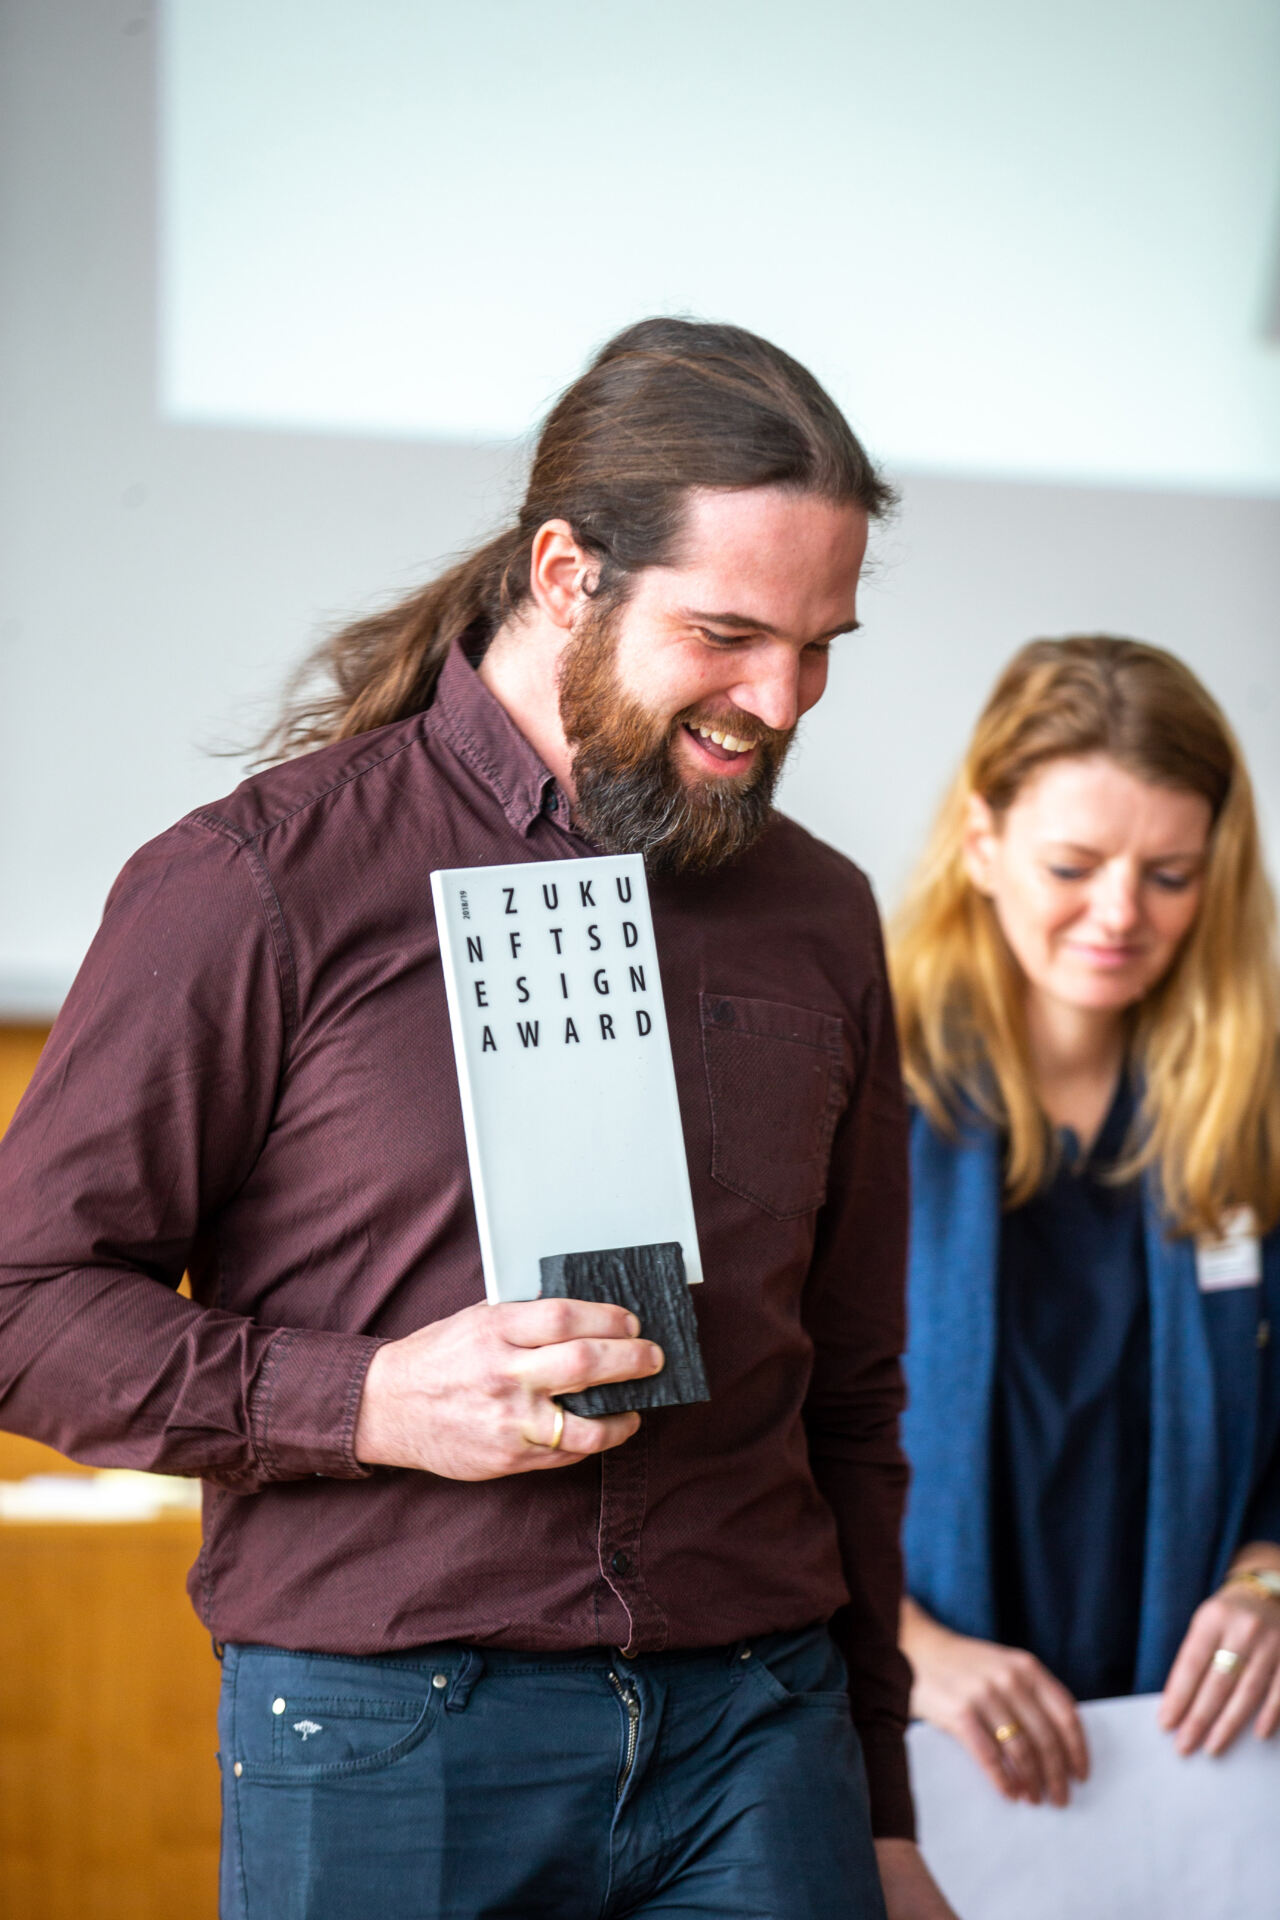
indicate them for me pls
(557, 1432)
(1007, 1730)
(1225, 1660)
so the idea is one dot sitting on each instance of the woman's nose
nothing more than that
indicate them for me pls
(1116, 904)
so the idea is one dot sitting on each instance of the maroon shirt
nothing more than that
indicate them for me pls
(253, 1079)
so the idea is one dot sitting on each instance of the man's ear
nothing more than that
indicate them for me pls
(981, 832)
(561, 573)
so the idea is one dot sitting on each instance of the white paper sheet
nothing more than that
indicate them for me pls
(1148, 1834)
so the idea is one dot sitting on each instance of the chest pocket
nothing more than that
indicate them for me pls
(776, 1085)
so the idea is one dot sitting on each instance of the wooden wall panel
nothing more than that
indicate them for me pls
(108, 1697)
(19, 1051)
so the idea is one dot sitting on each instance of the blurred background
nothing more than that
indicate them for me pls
(286, 284)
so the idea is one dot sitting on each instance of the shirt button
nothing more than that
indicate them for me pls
(237, 1769)
(722, 1013)
(277, 1706)
(440, 1681)
(621, 1562)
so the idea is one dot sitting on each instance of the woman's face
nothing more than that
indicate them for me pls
(1095, 877)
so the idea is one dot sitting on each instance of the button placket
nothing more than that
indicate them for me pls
(623, 1491)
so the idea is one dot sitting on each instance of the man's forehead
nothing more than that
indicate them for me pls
(767, 557)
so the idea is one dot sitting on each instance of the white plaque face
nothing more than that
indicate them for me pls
(564, 1064)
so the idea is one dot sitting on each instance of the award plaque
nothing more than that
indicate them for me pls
(569, 1106)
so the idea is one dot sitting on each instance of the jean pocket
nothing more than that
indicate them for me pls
(293, 1723)
(803, 1669)
(776, 1086)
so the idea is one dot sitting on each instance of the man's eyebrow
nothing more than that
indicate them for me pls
(749, 624)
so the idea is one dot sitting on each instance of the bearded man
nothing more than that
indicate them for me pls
(482, 1656)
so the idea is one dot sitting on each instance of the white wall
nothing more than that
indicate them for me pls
(1024, 240)
(972, 570)
(157, 580)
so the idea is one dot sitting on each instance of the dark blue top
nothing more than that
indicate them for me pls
(1071, 1429)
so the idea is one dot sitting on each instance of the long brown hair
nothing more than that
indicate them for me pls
(666, 406)
(1205, 1038)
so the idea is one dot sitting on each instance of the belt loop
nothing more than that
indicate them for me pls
(218, 1648)
(464, 1679)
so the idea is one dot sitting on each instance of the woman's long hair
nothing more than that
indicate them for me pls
(666, 406)
(1205, 1039)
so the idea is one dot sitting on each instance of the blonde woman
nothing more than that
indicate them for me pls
(1086, 979)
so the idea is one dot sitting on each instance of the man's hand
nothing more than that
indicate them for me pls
(470, 1397)
(1209, 1697)
(978, 1691)
(910, 1890)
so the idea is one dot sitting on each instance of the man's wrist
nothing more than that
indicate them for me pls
(371, 1440)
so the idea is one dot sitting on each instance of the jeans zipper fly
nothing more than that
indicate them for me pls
(626, 1693)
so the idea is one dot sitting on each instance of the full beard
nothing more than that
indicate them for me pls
(631, 795)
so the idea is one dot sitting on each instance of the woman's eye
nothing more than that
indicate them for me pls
(1068, 873)
(1172, 882)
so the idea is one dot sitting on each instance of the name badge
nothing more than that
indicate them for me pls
(1232, 1260)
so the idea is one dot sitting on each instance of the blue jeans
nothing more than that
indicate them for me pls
(448, 1783)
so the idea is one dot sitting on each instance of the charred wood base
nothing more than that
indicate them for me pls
(650, 1282)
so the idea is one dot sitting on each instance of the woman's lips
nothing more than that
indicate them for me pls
(1107, 957)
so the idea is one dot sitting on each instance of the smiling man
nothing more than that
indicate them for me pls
(483, 1656)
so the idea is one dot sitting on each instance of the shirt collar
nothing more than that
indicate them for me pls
(484, 735)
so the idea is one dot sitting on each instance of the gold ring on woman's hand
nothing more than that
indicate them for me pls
(1225, 1660)
(1007, 1730)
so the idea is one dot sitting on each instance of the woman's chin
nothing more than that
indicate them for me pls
(1104, 996)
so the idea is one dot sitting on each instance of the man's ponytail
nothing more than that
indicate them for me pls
(385, 666)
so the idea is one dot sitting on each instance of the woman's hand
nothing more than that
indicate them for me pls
(1210, 1697)
(977, 1691)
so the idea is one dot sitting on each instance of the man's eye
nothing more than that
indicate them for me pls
(721, 639)
(819, 647)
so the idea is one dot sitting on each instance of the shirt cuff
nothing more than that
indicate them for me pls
(893, 1814)
(304, 1402)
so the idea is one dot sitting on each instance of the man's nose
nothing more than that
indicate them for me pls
(771, 692)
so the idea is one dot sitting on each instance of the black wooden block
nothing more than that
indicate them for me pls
(650, 1282)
